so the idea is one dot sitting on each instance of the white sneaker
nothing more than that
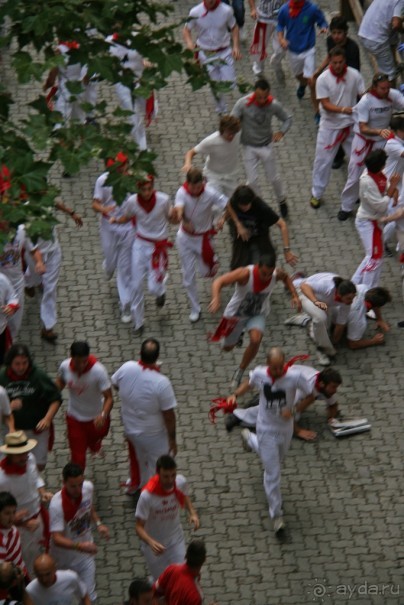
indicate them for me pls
(371, 314)
(323, 359)
(300, 319)
(126, 318)
(245, 439)
(242, 34)
(194, 316)
(257, 69)
(310, 332)
(279, 524)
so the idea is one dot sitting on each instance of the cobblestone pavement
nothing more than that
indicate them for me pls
(343, 499)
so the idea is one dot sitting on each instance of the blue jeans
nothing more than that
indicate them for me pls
(239, 10)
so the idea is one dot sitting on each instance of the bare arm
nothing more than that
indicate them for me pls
(193, 516)
(189, 43)
(253, 10)
(106, 408)
(188, 160)
(60, 383)
(290, 258)
(59, 539)
(304, 403)
(97, 206)
(60, 205)
(8, 420)
(281, 275)
(379, 132)
(241, 230)
(338, 332)
(328, 106)
(235, 36)
(309, 293)
(282, 41)
(363, 343)
(39, 264)
(101, 527)
(47, 419)
(156, 547)
(86, 600)
(170, 424)
(238, 275)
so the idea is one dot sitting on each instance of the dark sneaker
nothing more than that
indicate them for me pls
(161, 300)
(343, 215)
(230, 421)
(300, 91)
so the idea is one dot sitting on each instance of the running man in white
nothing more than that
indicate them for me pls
(152, 210)
(196, 204)
(147, 408)
(337, 90)
(277, 383)
(71, 513)
(222, 152)
(248, 308)
(53, 586)
(158, 523)
(9, 305)
(116, 238)
(395, 165)
(372, 115)
(90, 401)
(265, 15)
(215, 27)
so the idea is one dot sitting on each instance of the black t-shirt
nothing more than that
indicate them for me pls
(259, 218)
(351, 49)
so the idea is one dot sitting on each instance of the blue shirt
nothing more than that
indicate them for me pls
(300, 31)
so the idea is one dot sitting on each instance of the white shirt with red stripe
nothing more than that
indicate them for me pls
(200, 210)
(377, 113)
(24, 488)
(85, 391)
(212, 27)
(144, 394)
(10, 546)
(150, 225)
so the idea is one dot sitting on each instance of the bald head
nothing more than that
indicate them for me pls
(6, 573)
(276, 361)
(45, 570)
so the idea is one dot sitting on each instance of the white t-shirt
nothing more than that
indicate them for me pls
(212, 27)
(377, 113)
(130, 59)
(85, 391)
(222, 155)
(268, 9)
(24, 487)
(78, 529)
(144, 394)
(357, 323)
(153, 224)
(323, 287)
(11, 257)
(373, 205)
(199, 211)
(67, 590)
(162, 514)
(8, 296)
(395, 162)
(277, 396)
(376, 22)
(104, 195)
(342, 94)
(310, 374)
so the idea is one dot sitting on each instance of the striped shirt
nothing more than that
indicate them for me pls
(10, 546)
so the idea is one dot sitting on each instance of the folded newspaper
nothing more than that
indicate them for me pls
(349, 426)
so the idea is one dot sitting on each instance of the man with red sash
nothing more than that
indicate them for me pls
(71, 513)
(375, 195)
(90, 401)
(255, 112)
(148, 412)
(19, 476)
(373, 114)
(152, 211)
(195, 205)
(277, 383)
(158, 522)
(248, 307)
(337, 90)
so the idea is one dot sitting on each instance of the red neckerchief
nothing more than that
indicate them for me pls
(153, 486)
(147, 205)
(339, 77)
(252, 100)
(258, 284)
(208, 9)
(91, 361)
(295, 7)
(287, 365)
(185, 185)
(148, 366)
(71, 45)
(10, 468)
(15, 377)
(115, 36)
(70, 506)
(337, 298)
(368, 305)
(374, 94)
(5, 179)
(380, 179)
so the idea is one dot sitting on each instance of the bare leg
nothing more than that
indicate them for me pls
(252, 349)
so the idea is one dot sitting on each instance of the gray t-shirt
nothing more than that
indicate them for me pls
(256, 122)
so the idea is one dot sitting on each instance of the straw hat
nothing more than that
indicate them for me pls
(17, 443)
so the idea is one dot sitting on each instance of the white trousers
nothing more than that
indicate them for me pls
(321, 322)
(32, 543)
(116, 243)
(49, 281)
(326, 149)
(85, 569)
(369, 271)
(272, 448)
(148, 449)
(278, 53)
(220, 67)
(190, 252)
(253, 156)
(141, 267)
(137, 106)
(157, 564)
(70, 109)
(14, 323)
(40, 451)
(359, 152)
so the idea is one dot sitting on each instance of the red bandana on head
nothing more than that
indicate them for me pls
(258, 284)
(287, 365)
(70, 506)
(295, 7)
(10, 468)
(92, 360)
(253, 100)
(340, 77)
(381, 181)
(209, 9)
(186, 187)
(154, 487)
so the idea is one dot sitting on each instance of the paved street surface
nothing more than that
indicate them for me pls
(343, 499)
